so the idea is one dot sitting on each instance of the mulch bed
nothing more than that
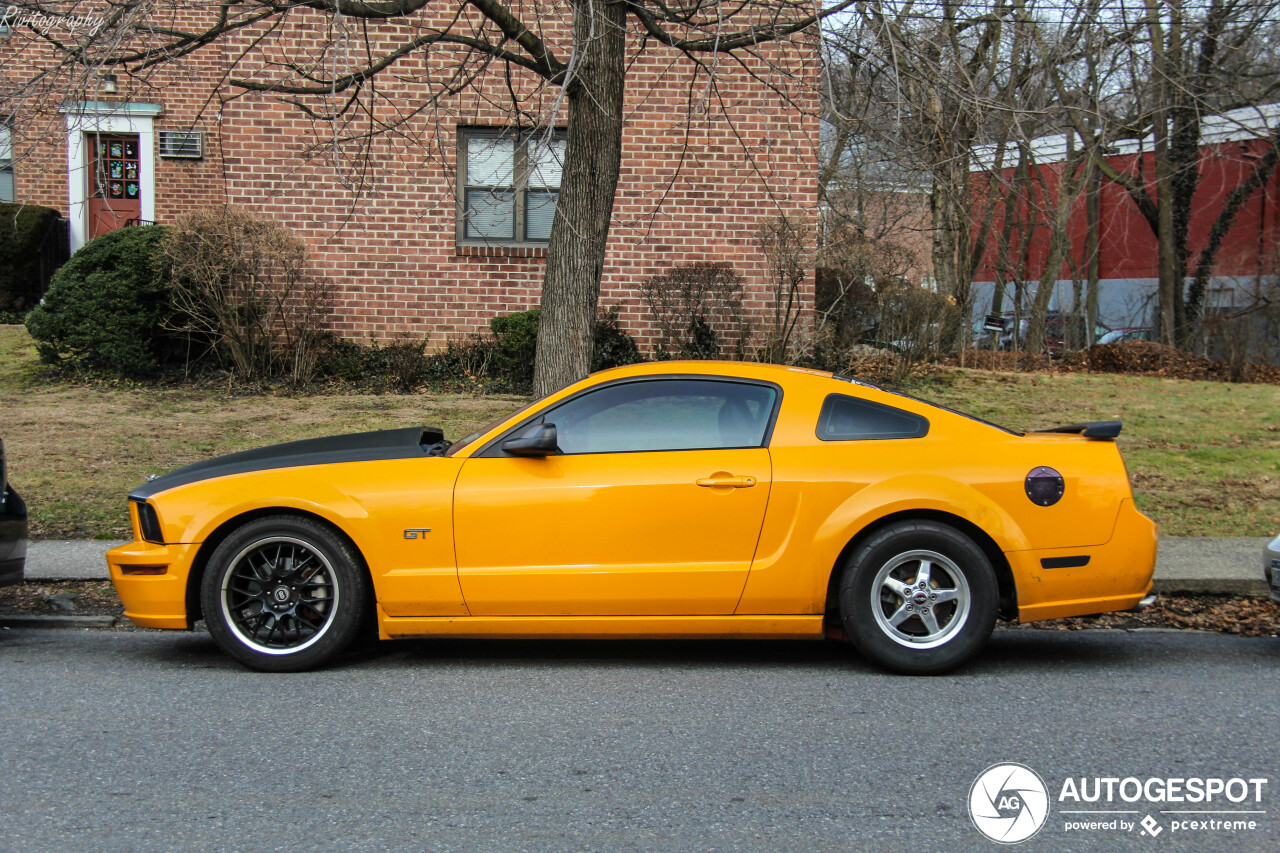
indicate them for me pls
(60, 598)
(1225, 614)
(1248, 617)
(1134, 358)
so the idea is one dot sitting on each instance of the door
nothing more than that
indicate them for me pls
(115, 192)
(653, 506)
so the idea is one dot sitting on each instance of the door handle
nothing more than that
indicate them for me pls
(726, 482)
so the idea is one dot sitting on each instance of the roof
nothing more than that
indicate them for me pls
(1240, 125)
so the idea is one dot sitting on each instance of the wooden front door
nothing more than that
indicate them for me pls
(115, 194)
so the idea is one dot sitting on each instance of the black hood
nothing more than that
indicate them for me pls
(408, 443)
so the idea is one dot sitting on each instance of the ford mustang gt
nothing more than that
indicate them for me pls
(672, 500)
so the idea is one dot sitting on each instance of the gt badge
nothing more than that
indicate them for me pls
(412, 532)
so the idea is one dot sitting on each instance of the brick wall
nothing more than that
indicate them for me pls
(702, 166)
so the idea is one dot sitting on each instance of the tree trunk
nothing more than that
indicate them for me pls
(593, 159)
(1093, 212)
(1261, 173)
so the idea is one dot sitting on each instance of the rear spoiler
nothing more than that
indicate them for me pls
(1093, 429)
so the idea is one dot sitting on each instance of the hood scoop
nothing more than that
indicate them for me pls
(407, 443)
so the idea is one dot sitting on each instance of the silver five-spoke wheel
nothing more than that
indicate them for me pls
(918, 596)
(920, 599)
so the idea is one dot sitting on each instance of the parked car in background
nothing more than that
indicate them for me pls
(1137, 333)
(670, 500)
(1056, 325)
(1271, 567)
(13, 528)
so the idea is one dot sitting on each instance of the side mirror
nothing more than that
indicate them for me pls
(537, 440)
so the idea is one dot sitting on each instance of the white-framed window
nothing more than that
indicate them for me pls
(509, 183)
(6, 160)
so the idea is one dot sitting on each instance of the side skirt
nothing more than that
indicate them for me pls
(603, 627)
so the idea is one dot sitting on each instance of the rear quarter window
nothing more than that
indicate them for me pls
(852, 419)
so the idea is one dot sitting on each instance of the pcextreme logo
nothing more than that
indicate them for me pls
(1008, 803)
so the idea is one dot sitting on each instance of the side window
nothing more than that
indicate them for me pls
(852, 419)
(509, 183)
(664, 414)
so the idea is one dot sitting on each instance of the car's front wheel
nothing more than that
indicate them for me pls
(919, 597)
(283, 594)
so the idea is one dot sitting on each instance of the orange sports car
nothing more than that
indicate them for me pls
(670, 499)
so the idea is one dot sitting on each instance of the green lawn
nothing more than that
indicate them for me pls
(1204, 457)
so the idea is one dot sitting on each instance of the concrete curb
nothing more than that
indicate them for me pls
(1211, 586)
(68, 559)
(59, 621)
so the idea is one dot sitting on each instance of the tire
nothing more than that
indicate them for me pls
(284, 594)
(911, 629)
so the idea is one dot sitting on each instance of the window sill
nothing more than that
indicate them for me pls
(499, 251)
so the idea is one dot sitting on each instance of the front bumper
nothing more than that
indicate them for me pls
(13, 537)
(151, 581)
(1116, 577)
(1271, 568)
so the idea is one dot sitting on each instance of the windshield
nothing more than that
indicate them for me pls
(463, 442)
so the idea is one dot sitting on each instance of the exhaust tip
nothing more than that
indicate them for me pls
(1146, 602)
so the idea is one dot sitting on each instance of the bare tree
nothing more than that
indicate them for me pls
(948, 77)
(1184, 63)
(327, 57)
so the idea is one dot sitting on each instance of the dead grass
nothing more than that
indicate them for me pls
(76, 450)
(1204, 457)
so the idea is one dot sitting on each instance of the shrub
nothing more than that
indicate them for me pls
(698, 311)
(516, 338)
(106, 305)
(612, 347)
(242, 285)
(22, 232)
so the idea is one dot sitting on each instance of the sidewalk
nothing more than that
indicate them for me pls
(1185, 565)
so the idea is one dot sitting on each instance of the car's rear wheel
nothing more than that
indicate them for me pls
(283, 594)
(919, 597)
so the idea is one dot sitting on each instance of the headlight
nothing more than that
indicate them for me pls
(149, 522)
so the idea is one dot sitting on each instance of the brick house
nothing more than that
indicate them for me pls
(449, 225)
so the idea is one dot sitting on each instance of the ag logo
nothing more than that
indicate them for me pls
(1008, 803)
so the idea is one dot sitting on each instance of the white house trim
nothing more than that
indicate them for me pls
(98, 117)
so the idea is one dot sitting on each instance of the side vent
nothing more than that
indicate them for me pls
(185, 144)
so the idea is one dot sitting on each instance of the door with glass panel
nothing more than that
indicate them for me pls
(115, 192)
(652, 506)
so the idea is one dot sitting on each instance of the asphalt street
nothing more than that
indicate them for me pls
(117, 740)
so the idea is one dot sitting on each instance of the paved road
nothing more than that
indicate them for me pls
(154, 741)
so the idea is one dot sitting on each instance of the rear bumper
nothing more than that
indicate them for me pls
(151, 581)
(13, 538)
(1116, 577)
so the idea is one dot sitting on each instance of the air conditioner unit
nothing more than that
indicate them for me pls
(188, 144)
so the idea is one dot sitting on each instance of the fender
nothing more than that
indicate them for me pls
(219, 501)
(918, 492)
(907, 493)
(772, 584)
